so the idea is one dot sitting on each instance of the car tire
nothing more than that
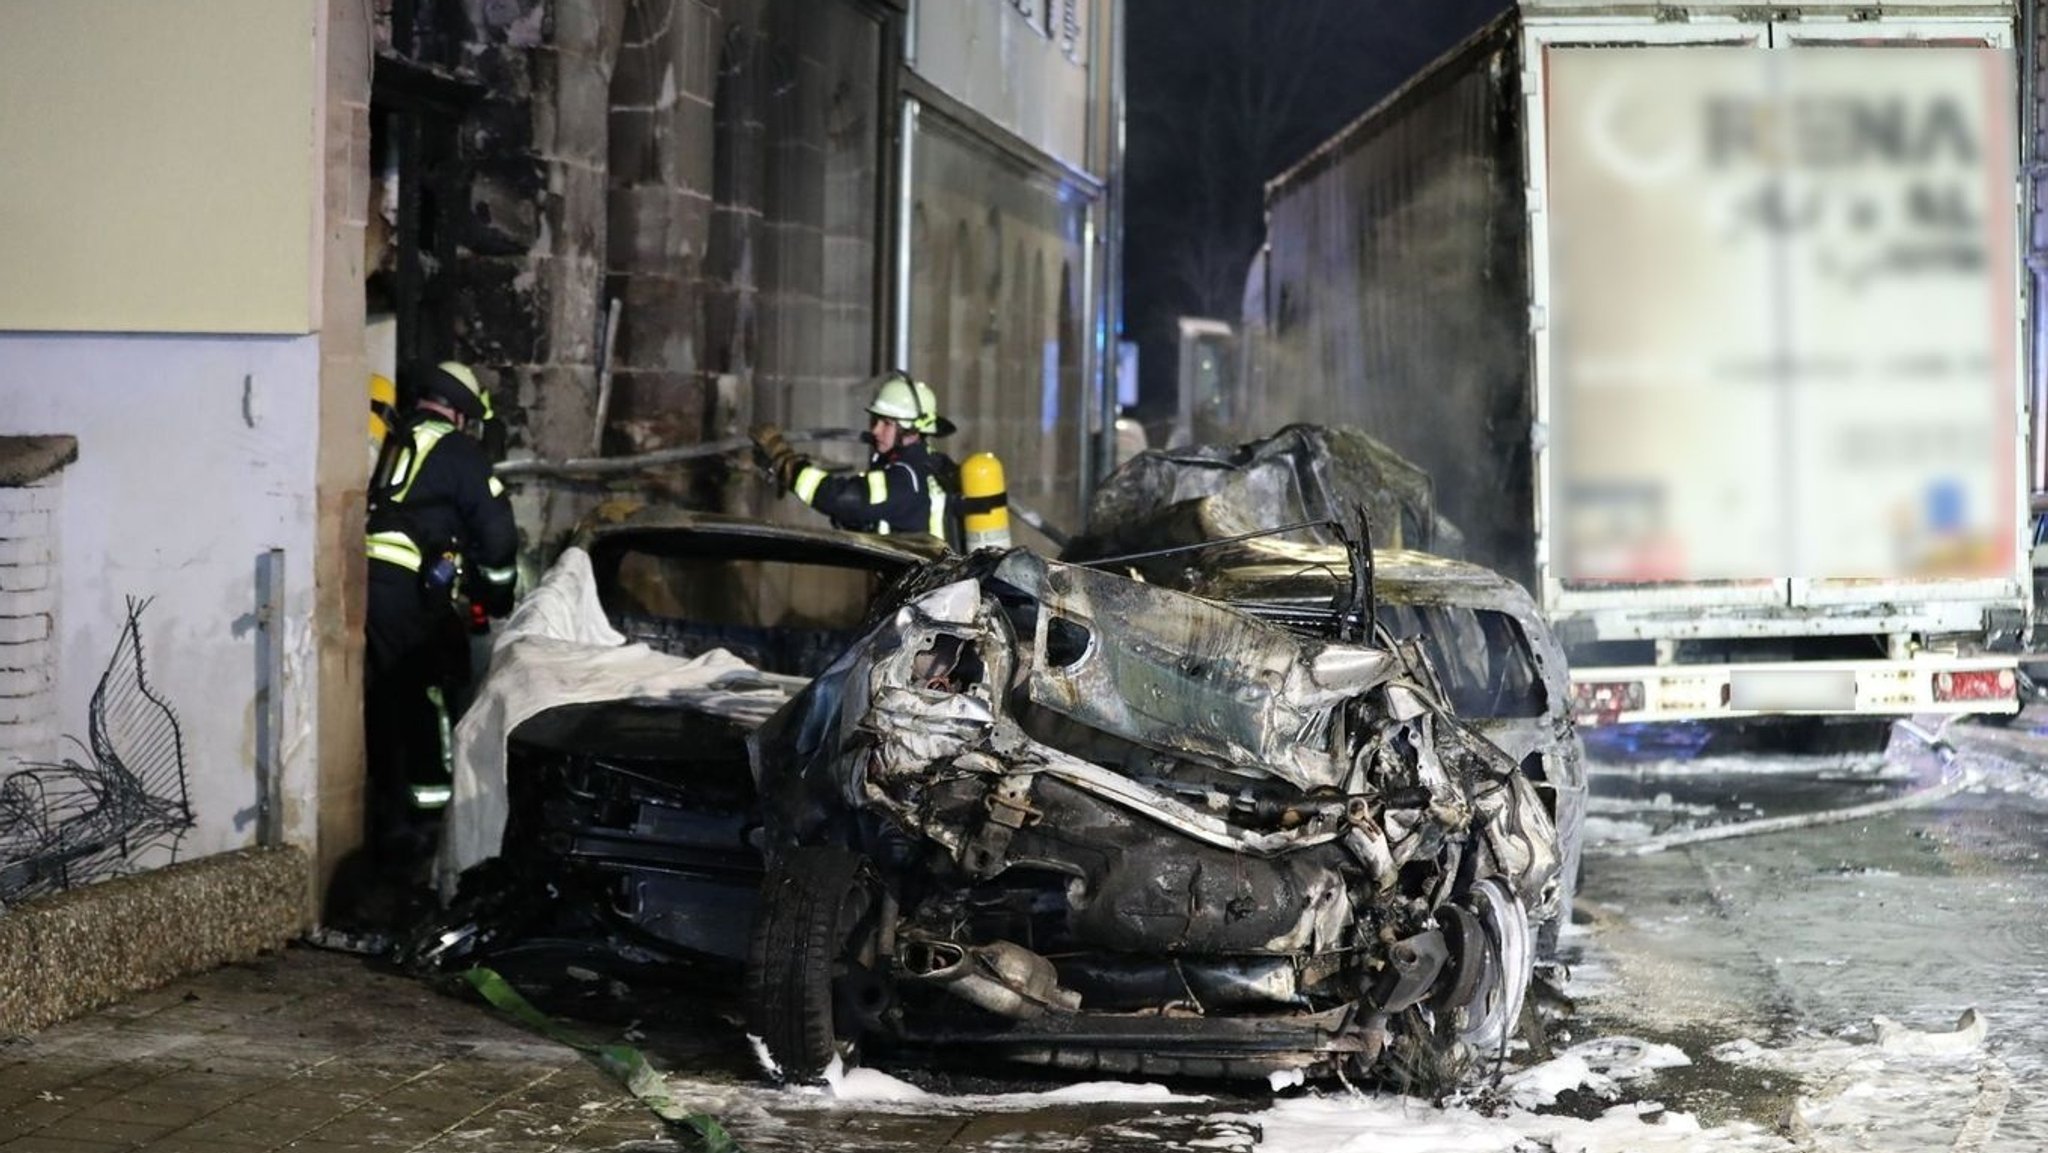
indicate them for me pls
(812, 957)
(1497, 1009)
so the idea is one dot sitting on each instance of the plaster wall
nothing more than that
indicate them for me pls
(196, 455)
(1022, 63)
(160, 165)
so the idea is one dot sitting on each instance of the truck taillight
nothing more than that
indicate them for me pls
(1599, 702)
(1976, 685)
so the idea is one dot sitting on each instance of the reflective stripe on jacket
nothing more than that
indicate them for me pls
(438, 494)
(896, 494)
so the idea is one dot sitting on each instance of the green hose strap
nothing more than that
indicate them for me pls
(624, 1062)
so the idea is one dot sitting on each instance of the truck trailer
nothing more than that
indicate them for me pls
(1708, 321)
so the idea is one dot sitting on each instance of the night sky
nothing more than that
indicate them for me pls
(1223, 95)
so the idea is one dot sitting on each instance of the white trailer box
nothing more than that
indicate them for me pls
(1708, 322)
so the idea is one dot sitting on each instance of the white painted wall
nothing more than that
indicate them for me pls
(1011, 61)
(195, 456)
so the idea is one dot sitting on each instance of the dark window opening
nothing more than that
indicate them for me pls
(1482, 657)
(1066, 642)
(415, 178)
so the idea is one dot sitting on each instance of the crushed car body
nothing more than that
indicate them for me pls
(1048, 812)
(1493, 658)
(1314, 475)
(1080, 820)
(1208, 520)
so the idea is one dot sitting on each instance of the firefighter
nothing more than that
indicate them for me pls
(441, 543)
(907, 487)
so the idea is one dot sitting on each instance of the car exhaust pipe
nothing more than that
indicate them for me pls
(1008, 980)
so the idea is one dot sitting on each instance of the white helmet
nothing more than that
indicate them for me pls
(910, 403)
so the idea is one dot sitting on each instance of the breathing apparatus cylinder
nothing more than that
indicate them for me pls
(984, 502)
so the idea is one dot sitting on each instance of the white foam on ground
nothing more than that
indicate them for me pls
(1859, 1095)
(1280, 1079)
(869, 1085)
(879, 1091)
(1121, 1092)
(1405, 1125)
(1968, 1034)
(1609, 830)
(1599, 1066)
(764, 1059)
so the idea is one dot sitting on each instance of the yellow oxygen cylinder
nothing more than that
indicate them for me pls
(984, 502)
(383, 408)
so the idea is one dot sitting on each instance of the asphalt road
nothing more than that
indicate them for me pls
(1771, 959)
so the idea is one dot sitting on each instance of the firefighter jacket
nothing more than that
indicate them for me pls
(435, 501)
(902, 492)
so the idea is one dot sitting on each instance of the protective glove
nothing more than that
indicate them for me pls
(772, 449)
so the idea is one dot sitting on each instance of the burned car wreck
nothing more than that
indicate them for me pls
(1054, 813)
(1252, 526)
(1077, 820)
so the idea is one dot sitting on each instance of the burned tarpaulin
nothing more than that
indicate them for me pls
(1082, 821)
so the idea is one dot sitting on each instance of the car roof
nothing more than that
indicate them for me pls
(749, 536)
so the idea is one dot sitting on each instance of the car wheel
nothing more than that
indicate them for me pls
(1492, 1016)
(811, 971)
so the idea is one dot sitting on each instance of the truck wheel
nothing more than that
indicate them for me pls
(811, 977)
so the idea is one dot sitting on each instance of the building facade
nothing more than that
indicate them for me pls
(647, 224)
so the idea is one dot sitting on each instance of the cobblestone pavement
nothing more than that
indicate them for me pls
(320, 1052)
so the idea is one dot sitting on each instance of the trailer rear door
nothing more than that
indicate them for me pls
(1775, 312)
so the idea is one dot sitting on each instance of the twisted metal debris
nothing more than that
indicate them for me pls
(67, 823)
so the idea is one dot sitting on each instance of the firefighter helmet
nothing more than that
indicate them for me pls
(452, 383)
(910, 403)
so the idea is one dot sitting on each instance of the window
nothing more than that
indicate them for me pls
(1482, 657)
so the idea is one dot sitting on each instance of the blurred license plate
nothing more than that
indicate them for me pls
(1777, 689)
